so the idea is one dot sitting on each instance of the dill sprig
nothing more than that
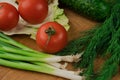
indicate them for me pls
(77, 46)
(97, 41)
(111, 66)
(102, 37)
(109, 71)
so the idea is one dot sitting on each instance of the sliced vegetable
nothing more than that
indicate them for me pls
(9, 16)
(51, 37)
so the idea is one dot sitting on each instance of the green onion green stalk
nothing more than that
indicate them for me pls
(15, 55)
(11, 46)
(42, 67)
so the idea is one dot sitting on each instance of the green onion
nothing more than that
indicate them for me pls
(9, 45)
(20, 57)
(44, 68)
(15, 55)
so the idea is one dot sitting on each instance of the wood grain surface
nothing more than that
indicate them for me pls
(78, 24)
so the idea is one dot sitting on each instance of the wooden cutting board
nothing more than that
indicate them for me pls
(77, 23)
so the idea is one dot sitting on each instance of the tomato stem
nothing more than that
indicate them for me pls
(50, 31)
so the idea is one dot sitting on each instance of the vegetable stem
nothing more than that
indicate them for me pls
(41, 68)
(11, 46)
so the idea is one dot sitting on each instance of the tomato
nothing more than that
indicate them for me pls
(9, 16)
(33, 11)
(51, 37)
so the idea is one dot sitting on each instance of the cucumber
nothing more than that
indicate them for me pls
(94, 9)
(112, 2)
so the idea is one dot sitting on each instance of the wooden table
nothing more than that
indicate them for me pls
(77, 23)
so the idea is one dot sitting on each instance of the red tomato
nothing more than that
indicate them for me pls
(9, 16)
(33, 11)
(51, 37)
